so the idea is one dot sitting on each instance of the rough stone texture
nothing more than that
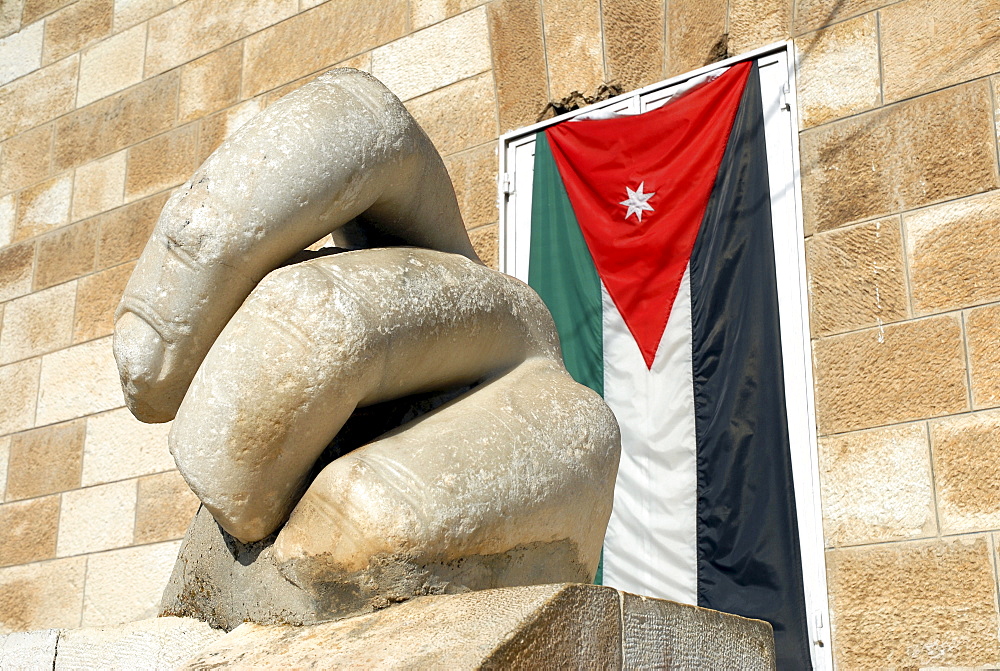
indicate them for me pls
(7, 206)
(857, 277)
(98, 186)
(755, 23)
(573, 46)
(4, 460)
(43, 207)
(474, 175)
(887, 375)
(812, 14)
(548, 626)
(952, 254)
(16, 266)
(459, 116)
(29, 530)
(125, 585)
(130, 12)
(210, 83)
(425, 12)
(982, 329)
(165, 508)
(36, 9)
(932, 148)
(926, 604)
(112, 65)
(78, 381)
(165, 161)
(213, 130)
(97, 297)
(333, 32)
(71, 29)
(38, 97)
(43, 594)
(10, 17)
(876, 486)
(696, 35)
(18, 395)
(633, 41)
(119, 447)
(197, 27)
(159, 643)
(45, 461)
(362, 62)
(96, 518)
(518, 61)
(966, 457)
(838, 71)
(25, 158)
(20, 53)
(64, 255)
(29, 649)
(486, 241)
(37, 323)
(124, 232)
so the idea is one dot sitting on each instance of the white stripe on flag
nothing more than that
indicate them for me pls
(650, 547)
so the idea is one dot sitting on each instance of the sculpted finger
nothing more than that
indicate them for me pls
(318, 339)
(338, 150)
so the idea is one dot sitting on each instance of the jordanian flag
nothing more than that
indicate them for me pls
(651, 244)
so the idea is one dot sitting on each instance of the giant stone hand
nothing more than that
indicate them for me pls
(512, 479)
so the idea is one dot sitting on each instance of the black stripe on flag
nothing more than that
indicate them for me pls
(748, 543)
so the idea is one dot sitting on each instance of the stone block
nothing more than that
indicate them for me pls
(813, 14)
(425, 12)
(43, 207)
(159, 643)
(574, 46)
(459, 116)
(130, 12)
(486, 241)
(435, 57)
(78, 381)
(898, 373)
(20, 53)
(25, 158)
(360, 62)
(78, 25)
(210, 83)
(165, 508)
(474, 175)
(66, 254)
(914, 604)
(966, 462)
(876, 486)
(197, 27)
(216, 128)
(99, 186)
(119, 446)
(17, 263)
(10, 17)
(18, 396)
(29, 649)
(96, 518)
(37, 323)
(932, 44)
(518, 61)
(125, 585)
(124, 231)
(45, 594)
(97, 296)
(982, 331)
(857, 277)
(4, 460)
(936, 147)
(633, 41)
(116, 122)
(38, 97)
(837, 71)
(111, 65)
(321, 37)
(696, 35)
(952, 256)
(755, 23)
(8, 204)
(165, 161)
(29, 530)
(36, 9)
(45, 461)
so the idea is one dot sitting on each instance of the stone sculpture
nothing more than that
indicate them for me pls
(509, 482)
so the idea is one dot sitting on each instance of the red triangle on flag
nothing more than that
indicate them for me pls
(639, 187)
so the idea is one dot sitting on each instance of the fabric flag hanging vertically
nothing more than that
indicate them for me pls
(651, 244)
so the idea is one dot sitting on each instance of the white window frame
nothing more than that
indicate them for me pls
(777, 73)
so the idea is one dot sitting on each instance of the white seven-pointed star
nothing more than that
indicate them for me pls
(636, 202)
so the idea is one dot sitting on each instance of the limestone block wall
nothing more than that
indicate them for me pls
(107, 105)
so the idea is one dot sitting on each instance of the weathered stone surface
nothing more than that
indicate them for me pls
(65, 255)
(10, 16)
(914, 604)
(43, 207)
(838, 71)
(45, 461)
(474, 174)
(165, 508)
(361, 62)
(42, 594)
(96, 518)
(78, 25)
(216, 128)
(125, 585)
(111, 65)
(124, 232)
(210, 83)
(37, 323)
(696, 35)
(573, 46)
(7, 206)
(982, 329)
(18, 395)
(38, 97)
(97, 297)
(16, 266)
(130, 12)
(518, 61)
(459, 116)
(165, 161)
(486, 241)
(755, 23)
(633, 41)
(98, 186)
(77, 381)
(425, 12)
(29, 649)
(36, 9)
(548, 626)
(857, 277)
(331, 33)
(812, 14)
(4, 460)
(158, 643)
(25, 158)
(876, 486)
(966, 458)
(113, 435)
(952, 255)
(29, 530)
(887, 375)
(936, 147)
(20, 53)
